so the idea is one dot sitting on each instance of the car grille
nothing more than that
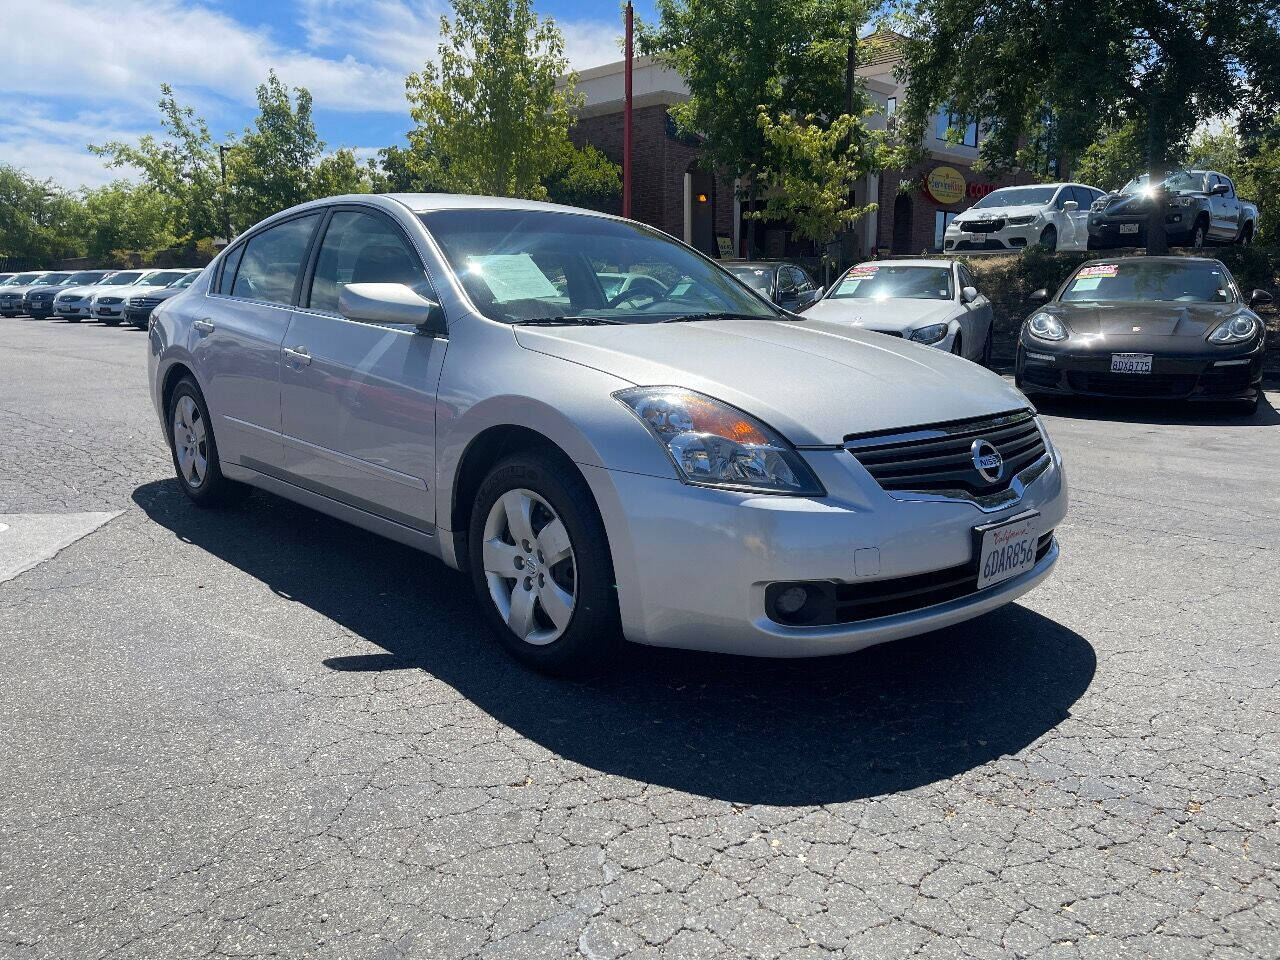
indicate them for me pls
(144, 301)
(109, 300)
(69, 298)
(983, 226)
(1139, 385)
(979, 245)
(939, 457)
(868, 600)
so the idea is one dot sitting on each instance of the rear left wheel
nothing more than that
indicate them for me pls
(1049, 238)
(195, 450)
(957, 345)
(541, 567)
(988, 345)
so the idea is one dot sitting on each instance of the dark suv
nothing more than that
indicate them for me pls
(1200, 206)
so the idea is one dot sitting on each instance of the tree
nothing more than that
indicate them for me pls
(491, 118)
(182, 167)
(586, 178)
(1161, 67)
(768, 82)
(123, 216)
(273, 166)
(389, 173)
(37, 218)
(1113, 159)
(338, 173)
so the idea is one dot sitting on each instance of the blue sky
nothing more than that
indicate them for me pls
(352, 55)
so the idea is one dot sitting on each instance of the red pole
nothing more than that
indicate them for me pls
(626, 120)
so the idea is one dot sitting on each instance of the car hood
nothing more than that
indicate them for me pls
(896, 316)
(114, 289)
(20, 290)
(996, 213)
(51, 288)
(82, 291)
(815, 382)
(1172, 320)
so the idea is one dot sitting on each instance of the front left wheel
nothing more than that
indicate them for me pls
(541, 567)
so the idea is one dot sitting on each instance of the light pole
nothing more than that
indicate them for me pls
(226, 214)
(626, 117)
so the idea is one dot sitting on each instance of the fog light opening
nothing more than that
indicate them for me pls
(801, 604)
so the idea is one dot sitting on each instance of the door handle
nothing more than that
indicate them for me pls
(298, 353)
(203, 326)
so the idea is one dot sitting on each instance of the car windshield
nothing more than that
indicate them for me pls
(1183, 181)
(50, 278)
(165, 277)
(1127, 281)
(522, 265)
(83, 278)
(1017, 197)
(124, 278)
(757, 278)
(103, 281)
(881, 281)
(22, 279)
(185, 280)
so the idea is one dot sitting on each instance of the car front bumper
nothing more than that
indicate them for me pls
(1204, 376)
(692, 564)
(1106, 232)
(12, 307)
(72, 309)
(39, 309)
(1008, 238)
(107, 310)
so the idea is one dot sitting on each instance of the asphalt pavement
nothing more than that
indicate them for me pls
(263, 732)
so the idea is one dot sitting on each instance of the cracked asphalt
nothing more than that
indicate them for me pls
(264, 733)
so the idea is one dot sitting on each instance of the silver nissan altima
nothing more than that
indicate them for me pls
(675, 461)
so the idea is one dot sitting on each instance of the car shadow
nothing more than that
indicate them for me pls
(888, 719)
(1158, 412)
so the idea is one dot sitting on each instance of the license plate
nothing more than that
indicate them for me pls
(1007, 549)
(980, 237)
(1128, 228)
(1131, 363)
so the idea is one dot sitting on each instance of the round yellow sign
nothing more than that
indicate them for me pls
(946, 185)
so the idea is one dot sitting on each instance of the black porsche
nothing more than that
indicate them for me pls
(1174, 328)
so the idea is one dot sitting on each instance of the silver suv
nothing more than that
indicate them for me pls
(680, 463)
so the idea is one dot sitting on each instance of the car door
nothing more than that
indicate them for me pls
(236, 339)
(358, 398)
(1226, 210)
(979, 315)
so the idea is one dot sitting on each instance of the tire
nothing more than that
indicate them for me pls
(957, 345)
(109, 321)
(988, 346)
(71, 319)
(188, 418)
(1049, 238)
(1199, 235)
(564, 618)
(1246, 235)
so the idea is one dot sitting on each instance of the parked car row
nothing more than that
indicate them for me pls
(1200, 207)
(109, 296)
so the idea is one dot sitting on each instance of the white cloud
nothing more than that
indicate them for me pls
(351, 54)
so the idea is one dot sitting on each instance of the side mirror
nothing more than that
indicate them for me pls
(391, 303)
(1070, 206)
(1040, 296)
(968, 294)
(818, 292)
(1219, 190)
(1260, 297)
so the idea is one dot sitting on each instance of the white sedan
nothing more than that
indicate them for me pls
(1053, 215)
(935, 302)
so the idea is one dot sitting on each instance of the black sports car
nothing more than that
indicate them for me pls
(1160, 327)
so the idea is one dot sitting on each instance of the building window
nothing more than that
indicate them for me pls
(941, 220)
(947, 121)
(891, 106)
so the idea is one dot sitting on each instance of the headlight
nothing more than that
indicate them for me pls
(1020, 221)
(1235, 330)
(715, 445)
(1181, 201)
(1045, 326)
(930, 334)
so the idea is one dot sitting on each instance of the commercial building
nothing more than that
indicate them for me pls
(671, 190)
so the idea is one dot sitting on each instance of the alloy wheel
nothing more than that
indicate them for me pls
(190, 441)
(529, 566)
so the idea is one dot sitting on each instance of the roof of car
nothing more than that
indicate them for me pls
(909, 262)
(426, 202)
(1170, 258)
(757, 264)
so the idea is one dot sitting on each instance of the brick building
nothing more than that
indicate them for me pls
(671, 192)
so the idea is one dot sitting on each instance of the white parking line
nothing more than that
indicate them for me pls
(27, 539)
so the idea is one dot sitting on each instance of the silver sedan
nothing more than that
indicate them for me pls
(679, 463)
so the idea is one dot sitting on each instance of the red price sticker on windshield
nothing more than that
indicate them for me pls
(864, 270)
(1099, 270)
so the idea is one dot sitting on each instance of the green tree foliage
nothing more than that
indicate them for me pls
(1090, 67)
(182, 167)
(123, 216)
(338, 173)
(37, 218)
(389, 173)
(490, 117)
(586, 178)
(274, 164)
(772, 92)
(1110, 161)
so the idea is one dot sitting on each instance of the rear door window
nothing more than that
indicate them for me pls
(273, 259)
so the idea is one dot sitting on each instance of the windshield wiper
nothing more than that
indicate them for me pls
(566, 322)
(697, 317)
